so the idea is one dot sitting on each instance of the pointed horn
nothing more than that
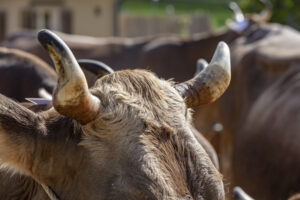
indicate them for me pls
(211, 83)
(96, 67)
(238, 15)
(71, 96)
(201, 65)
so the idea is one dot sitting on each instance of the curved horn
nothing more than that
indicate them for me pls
(239, 194)
(71, 96)
(201, 65)
(238, 15)
(96, 67)
(211, 83)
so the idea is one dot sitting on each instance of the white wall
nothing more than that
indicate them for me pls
(13, 12)
(85, 22)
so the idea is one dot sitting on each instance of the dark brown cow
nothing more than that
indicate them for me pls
(267, 149)
(129, 137)
(24, 75)
(265, 157)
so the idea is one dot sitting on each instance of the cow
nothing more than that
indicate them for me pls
(16, 185)
(269, 139)
(128, 137)
(251, 140)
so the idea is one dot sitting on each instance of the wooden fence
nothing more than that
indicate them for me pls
(134, 26)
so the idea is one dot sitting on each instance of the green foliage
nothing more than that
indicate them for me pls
(283, 11)
(216, 9)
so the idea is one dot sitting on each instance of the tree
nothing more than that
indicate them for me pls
(283, 11)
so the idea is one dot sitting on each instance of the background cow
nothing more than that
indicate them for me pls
(259, 59)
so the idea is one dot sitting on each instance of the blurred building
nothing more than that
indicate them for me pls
(84, 17)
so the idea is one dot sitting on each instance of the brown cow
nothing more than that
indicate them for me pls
(18, 186)
(267, 156)
(259, 59)
(129, 137)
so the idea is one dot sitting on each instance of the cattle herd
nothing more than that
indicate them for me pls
(228, 130)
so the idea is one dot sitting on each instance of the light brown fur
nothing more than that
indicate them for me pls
(141, 145)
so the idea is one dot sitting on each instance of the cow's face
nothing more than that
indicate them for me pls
(137, 142)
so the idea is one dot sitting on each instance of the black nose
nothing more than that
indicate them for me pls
(46, 38)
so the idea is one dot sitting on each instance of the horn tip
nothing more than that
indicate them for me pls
(221, 56)
(223, 48)
(222, 44)
(47, 37)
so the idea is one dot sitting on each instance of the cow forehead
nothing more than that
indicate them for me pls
(140, 83)
(139, 93)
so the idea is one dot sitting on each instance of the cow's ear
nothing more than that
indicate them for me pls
(28, 147)
(211, 82)
(71, 96)
(19, 130)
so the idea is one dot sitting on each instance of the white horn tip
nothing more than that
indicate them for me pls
(222, 56)
(222, 46)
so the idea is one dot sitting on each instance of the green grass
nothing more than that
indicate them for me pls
(216, 9)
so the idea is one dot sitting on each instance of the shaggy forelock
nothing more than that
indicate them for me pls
(139, 95)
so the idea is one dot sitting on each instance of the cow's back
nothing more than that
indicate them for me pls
(266, 160)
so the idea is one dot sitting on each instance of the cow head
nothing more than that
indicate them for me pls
(135, 133)
(72, 91)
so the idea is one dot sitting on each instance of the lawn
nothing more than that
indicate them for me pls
(216, 9)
